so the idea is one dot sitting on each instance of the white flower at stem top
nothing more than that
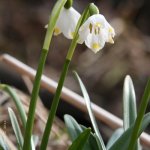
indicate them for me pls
(95, 32)
(67, 22)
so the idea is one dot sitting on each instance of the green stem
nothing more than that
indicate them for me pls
(34, 95)
(56, 98)
(51, 25)
(143, 106)
(54, 106)
(72, 48)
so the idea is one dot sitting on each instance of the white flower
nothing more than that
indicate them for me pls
(67, 22)
(95, 32)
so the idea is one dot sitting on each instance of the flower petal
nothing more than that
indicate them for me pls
(67, 22)
(95, 42)
(111, 33)
(57, 31)
(98, 20)
(83, 33)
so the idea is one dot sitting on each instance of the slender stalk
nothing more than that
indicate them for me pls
(36, 86)
(34, 95)
(143, 106)
(54, 106)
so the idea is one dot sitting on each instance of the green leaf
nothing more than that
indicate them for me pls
(145, 123)
(129, 101)
(115, 136)
(129, 106)
(88, 104)
(98, 143)
(17, 102)
(18, 105)
(16, 127)
(124, 139)
(79, 142)
(35, 140)
(74, 130)
(92, 143)
(73, 127)
(3, 144)
(142, 110)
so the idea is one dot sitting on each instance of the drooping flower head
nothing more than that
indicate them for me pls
(67, 22)
(95, 32)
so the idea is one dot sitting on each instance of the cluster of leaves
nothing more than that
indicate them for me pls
(82, 137)
(122, 137)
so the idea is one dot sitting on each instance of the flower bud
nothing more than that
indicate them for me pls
(68, 4)
(93, 9)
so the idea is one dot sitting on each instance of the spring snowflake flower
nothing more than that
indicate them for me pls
(67, 22)
(95, 32)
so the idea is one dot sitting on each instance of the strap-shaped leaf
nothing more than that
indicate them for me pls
(19, 106)
(92, 142)
(98, 143)
(16, 127)
(35, 139)
(80, 141)
(92, 117)
(73, 127)
(123, 141)
(140, 116)
(129, 103)
(74, 130)
(129, 106)
(17, 102)
(3, 144)
(114, 137)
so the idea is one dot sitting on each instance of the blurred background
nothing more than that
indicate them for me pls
(22, 33)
